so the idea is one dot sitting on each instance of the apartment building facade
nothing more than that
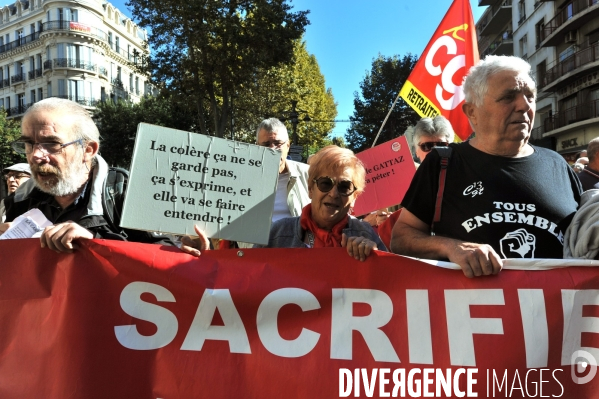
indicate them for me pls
(84, 51)
(559, 38)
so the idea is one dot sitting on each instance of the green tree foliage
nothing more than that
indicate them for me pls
(271, 94)
(378, 91)
(10, 130)
(118, 124)
(203, 50)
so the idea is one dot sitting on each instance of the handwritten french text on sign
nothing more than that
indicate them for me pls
(128, 320)
(179, 179)
(389, 171)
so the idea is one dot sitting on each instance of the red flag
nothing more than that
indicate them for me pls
(435, 85)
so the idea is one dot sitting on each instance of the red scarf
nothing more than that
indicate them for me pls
(322, 238)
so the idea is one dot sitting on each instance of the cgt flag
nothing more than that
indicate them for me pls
(435, 85)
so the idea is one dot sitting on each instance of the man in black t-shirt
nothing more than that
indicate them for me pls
(503, 198)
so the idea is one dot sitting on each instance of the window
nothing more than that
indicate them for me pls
(521, 12)
(31, 63)
(76, 90)
(49, 89)
(539, 32)
(117, 48)
(1, 103)
(7, 102)
(62, 89)
(130, 82)
(19, 37)
(21, 102)
(32, 96)
(541, 69)
(110, 39)
(32, 29)
(566, 53)
(40, 94)
(524, 46)
(137, 85)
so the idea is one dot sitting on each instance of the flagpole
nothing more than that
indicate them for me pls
(385, 121)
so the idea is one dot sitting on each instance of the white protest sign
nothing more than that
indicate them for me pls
(179, 179)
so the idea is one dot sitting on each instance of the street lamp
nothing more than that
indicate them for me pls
(293, 117)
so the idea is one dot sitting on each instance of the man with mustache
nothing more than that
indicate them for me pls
(503, 198)
(14, 176)
(61, 143)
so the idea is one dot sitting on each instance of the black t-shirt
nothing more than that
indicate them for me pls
(520, 206)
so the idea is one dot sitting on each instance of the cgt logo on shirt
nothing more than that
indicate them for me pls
(474, 189)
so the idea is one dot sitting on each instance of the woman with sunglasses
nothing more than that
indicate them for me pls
(429, 133)
(336, 178)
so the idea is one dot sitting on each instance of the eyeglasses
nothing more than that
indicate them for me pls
(26, 147)
(426, 147)
(273, 144)
(325, 184)
(8, 176)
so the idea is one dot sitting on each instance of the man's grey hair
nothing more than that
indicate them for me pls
(593, 150)
(272, 125)
(476, 83)
(439, 127)
(82, 123)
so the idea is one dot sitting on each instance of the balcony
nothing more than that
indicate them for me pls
(580, 113)
(17, 78)
(76, 27)
(18, 110)
(502, 45)
(19, 42)
(568, 69)
(574, 15)
(6, 83)
(496, 20)
(103, 71)
(85, 101)
(36, 73)
(47, 64)
(74, 63)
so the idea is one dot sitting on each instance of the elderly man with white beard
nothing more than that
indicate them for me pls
(61, 143)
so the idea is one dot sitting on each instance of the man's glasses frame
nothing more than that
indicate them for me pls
(27, 147)
(20, 176)
(276, 144)
(345, 188)
(426, 147)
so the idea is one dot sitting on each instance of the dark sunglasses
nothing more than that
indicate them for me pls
(426, 147)
(325, 184)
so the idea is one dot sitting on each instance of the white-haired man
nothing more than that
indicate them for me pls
(61, 143)
(503, 198)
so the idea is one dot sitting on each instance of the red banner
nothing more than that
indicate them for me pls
(435, 85)
(126, 320)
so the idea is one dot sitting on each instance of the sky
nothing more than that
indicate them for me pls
(345, 36)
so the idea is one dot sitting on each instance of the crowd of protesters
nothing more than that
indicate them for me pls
(474, 203)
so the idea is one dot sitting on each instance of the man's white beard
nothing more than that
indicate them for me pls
(65, 182)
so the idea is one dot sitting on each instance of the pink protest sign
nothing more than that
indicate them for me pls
(389, 171)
